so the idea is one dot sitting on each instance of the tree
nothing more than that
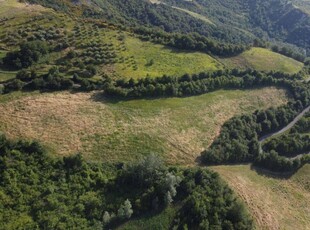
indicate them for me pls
(106, 217)
(125, 211)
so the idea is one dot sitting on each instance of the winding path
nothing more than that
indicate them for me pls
(290, 125)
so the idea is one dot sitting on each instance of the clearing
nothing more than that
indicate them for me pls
(105, 130)
(264, 60)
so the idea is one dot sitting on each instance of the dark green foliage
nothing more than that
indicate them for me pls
(29, 53)
(280, 19)
(14, 85)
(289, 53)
(238, 142)
(289, 145)
(167, 86)
(274, 162)
(51, 81)
(239, 138)
(192, 41)
(25, 75)
(210, 204)
(37, 191)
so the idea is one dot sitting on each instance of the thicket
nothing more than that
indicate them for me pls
(288, 52)
(302, 126)
(28, 54)
(289, 145)
(274, 162)
(190, 41)
(39, 191)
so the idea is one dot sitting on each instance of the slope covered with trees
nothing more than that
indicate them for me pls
(278, 20)
(38, 191)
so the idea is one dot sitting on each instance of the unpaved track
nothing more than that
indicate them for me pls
(290, 125)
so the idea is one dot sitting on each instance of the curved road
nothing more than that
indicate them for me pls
(290, 125)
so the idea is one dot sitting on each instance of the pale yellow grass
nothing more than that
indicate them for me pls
(274, 203)
(10, 8)
(178, 128)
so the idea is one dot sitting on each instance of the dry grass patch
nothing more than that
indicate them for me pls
(180, 128)
(11, 8)
(274, 203)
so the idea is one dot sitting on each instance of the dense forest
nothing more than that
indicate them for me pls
(74, 193)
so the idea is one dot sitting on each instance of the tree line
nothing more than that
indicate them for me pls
(190, 41)
(187, 85)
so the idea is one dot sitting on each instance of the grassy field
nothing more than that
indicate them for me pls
(180, 128)
(155, 60)
(274, 203)
(264, 60)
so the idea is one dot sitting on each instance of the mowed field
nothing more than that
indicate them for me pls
(264, 60)
(178, 128)
(275, 203)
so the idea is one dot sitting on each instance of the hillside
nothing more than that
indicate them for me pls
(177, 128)
(275, 203)
(126, 115)
(232, 21)
(264, 60)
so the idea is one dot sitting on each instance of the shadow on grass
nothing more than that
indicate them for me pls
(99, 96)
(272, 174)
(258, 170)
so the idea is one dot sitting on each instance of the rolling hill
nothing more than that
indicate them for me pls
(107, 109)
